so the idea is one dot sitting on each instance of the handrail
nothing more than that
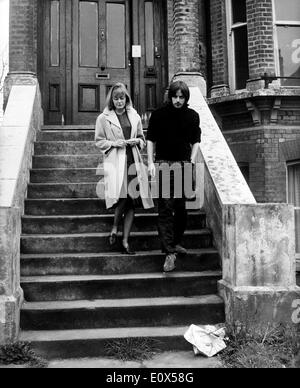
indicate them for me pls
(270, 78)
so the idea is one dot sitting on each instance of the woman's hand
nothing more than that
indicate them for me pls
(152, 170)
(133, 142)
(119, 143)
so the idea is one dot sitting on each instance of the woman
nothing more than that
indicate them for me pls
(119, 135)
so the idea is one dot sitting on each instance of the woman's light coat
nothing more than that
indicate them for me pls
(108, 130)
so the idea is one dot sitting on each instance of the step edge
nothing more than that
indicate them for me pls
(120, 277)
(201, 300)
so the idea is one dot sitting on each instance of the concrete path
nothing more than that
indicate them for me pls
(180, 360)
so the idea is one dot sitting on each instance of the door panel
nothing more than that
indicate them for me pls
(52, 61)
(100, 54)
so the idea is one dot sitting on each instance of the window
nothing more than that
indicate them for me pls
(238, 43)
(116, 35)
(54, 33)
(287, 26)
(88, 34)
(294, 197)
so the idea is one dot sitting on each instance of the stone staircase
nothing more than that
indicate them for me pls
(79, 293)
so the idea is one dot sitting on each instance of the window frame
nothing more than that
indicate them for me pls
(276, 24)
(231, 28)
(288, 165)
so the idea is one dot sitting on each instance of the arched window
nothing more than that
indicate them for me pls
(294, 197)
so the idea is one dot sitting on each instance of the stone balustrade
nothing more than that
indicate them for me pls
(21, 121)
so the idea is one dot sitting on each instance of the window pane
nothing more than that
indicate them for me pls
(287, 10)
(239, 11)
(294, 197)
(54, 33)
(294, 184)
(88, 32)
(149, 27)
(289, 54)
(116, 32)
(241, 56)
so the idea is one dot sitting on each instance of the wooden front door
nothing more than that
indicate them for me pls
(87, 46)
(101, 54)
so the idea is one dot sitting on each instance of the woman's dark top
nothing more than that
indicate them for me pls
(174, 131)
(126, 127)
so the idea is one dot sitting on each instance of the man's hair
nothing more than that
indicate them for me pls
(179, 85)
(121, 88)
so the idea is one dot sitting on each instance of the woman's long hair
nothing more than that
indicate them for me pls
(121, 88)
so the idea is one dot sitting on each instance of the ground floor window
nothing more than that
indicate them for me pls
(294, 197)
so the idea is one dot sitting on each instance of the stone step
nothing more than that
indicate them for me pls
(48, 207)
(98, 242)
(117, 313)
(72, 161)
(71, 134)
(66, 135)
(148, 285)
(96, 224)
(65, 148)
(67, 344)
(67, 161)
(115, 264)
(62, 175)
(62, 190)
(71, 127)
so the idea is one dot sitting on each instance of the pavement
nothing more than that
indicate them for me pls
(179, 360)
(174, 360)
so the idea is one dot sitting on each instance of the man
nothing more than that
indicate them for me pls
(174, 135)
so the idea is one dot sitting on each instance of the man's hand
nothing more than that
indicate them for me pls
(119, 143)
(152, 170)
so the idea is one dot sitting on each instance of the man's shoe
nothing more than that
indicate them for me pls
(169, 265)
(180, 249)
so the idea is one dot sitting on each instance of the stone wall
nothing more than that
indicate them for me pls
(21, 121)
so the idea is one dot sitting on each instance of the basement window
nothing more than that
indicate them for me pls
(237, 43)
(294, 197)
(245, 170)
(287, 41)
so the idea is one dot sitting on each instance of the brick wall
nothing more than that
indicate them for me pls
(23, 43)
(186, 35)
(267, 151)
(219, 42)
(260, 37)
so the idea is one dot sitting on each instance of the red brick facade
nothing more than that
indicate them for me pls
(23, 36)
(260, 37)
(218, 43)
